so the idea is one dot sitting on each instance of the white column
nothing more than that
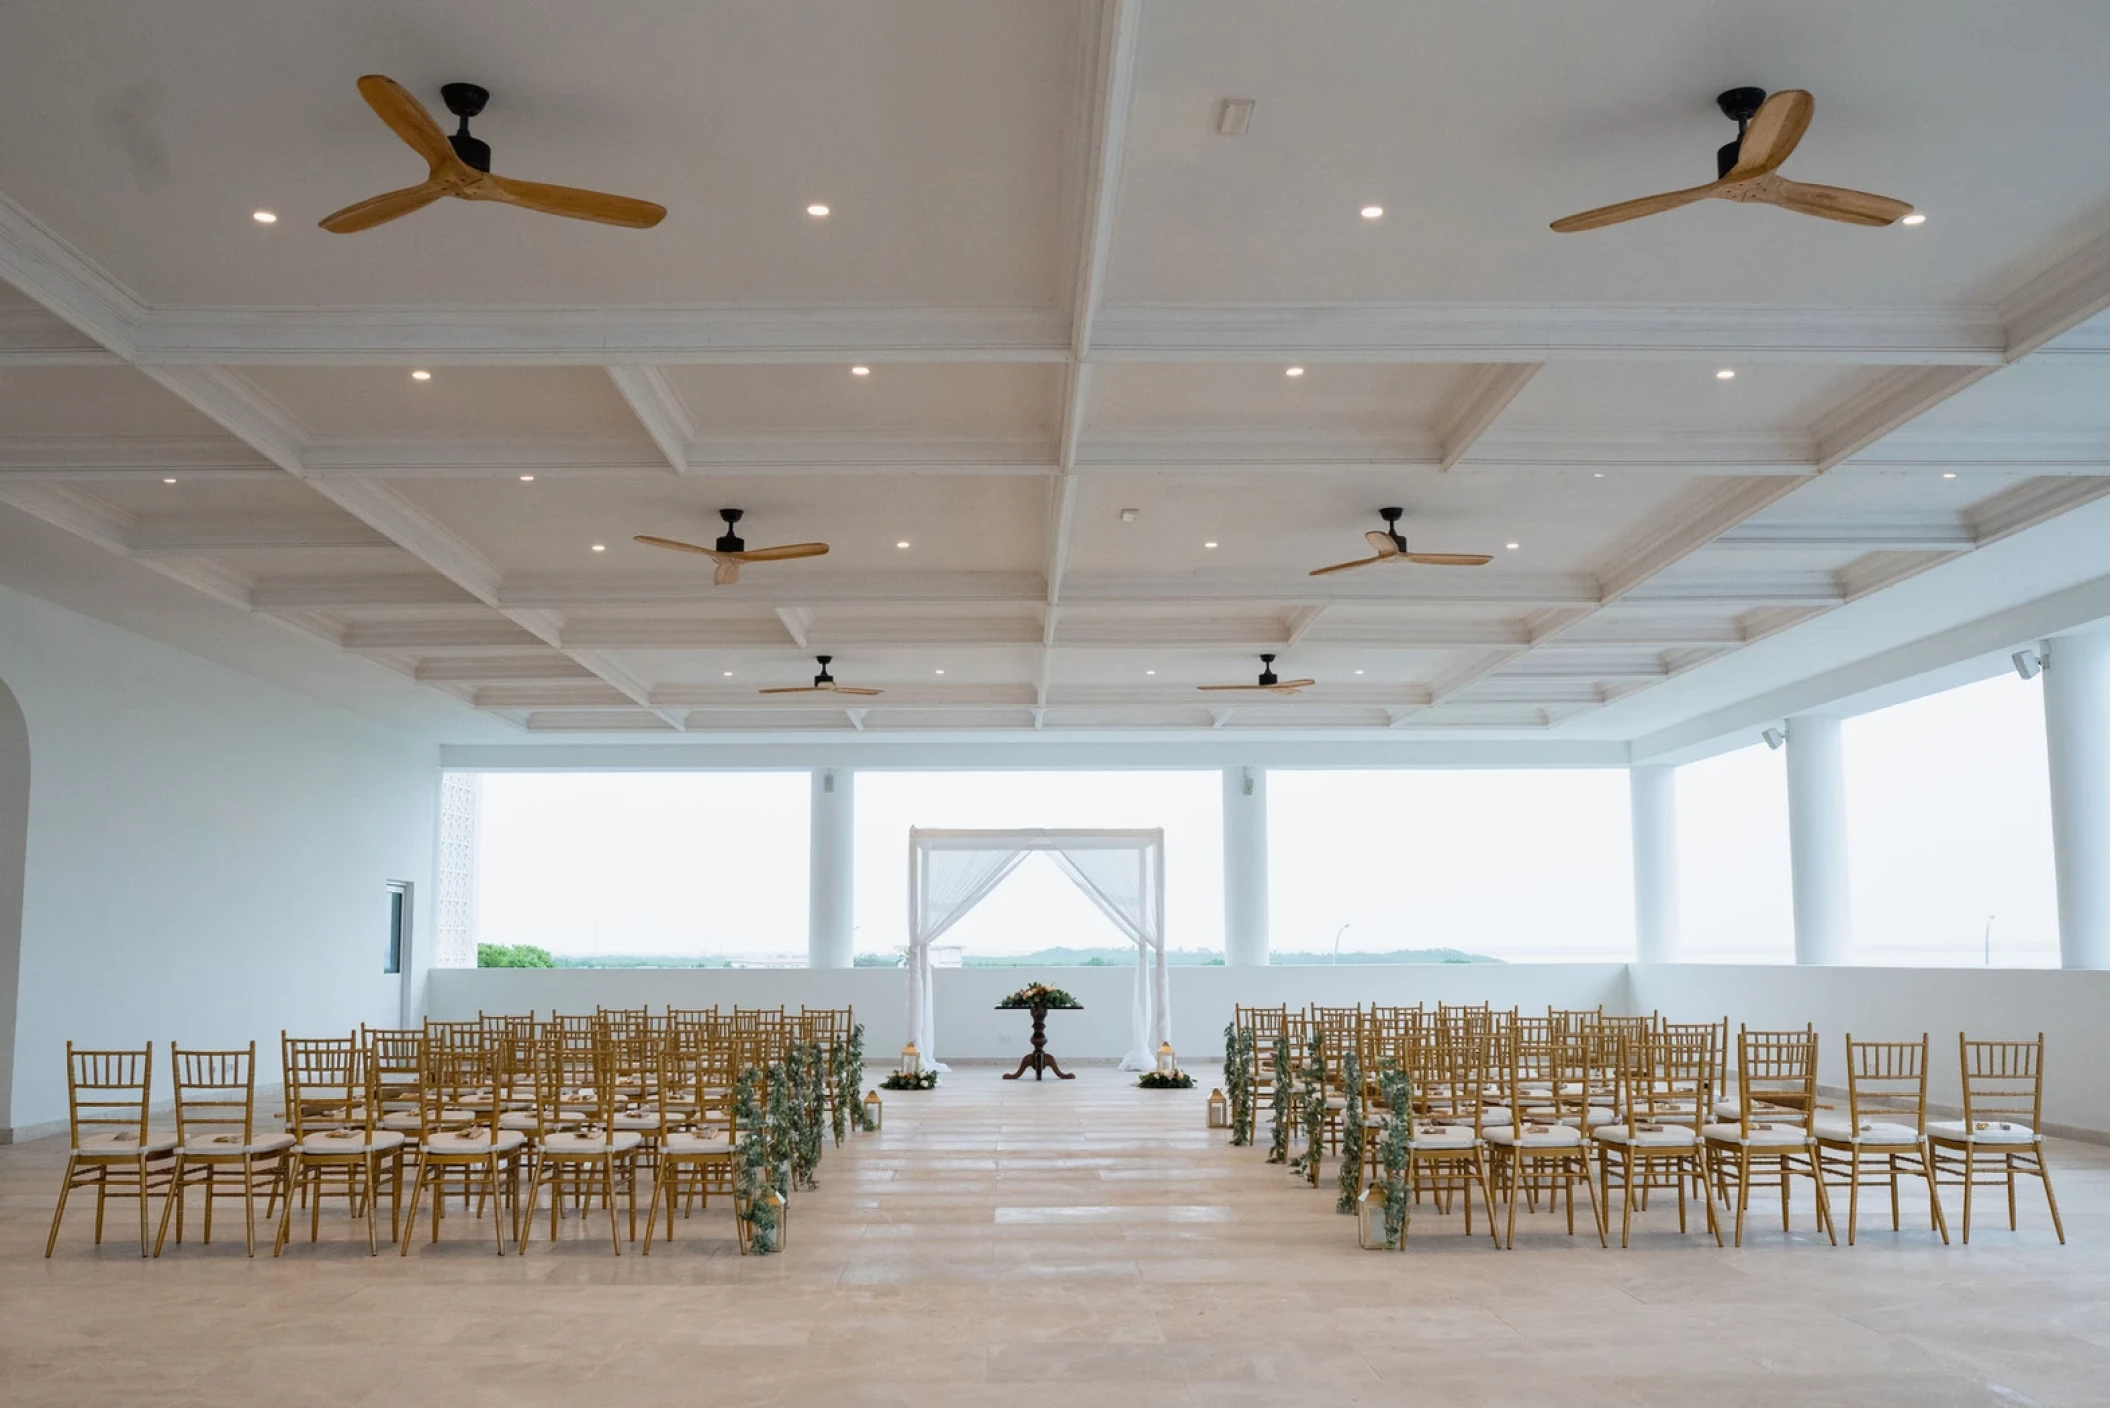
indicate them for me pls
(1655, 813)
(1817, 840)
(830, 875)
(2077, 746)
(1245, 867)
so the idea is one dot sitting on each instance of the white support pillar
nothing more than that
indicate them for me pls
(1655, 815)
(2077, 746)
(1817, 840)
(1245, 867)
(830, 877)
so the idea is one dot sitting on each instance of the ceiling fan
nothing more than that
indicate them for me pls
(1747, 169)
(823, 683)
(730, 550)
(461, 167)
(1393, 548)
(1269, 681)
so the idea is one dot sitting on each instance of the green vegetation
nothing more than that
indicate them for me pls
(513, 956)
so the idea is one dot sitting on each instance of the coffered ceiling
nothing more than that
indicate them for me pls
(1125, 380)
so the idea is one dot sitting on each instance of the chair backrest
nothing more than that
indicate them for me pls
(1887, 1081)
(329, 1084)
(215, 1094)
(2003, 1081)
(1776, 1076)
(399, 1064)
(109, 1092)
(1666, 1078)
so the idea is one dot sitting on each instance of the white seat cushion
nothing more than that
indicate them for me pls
(351, 1141)
(1537, 1136)
(1665, 1136)
(645, 1121)
(575, 1145)
(1728, 1110)
(124, 1142)
(685, 1142)
(1336, 1102)
(462, 1141)
(1839, 1131)
(1762, 1133)
(406, 1121)
(230, 1145)
(1982, 1132)
(1443, 1138)
(518, 1119)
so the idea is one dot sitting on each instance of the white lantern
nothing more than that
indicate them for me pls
(1370, 1219)
(1165, 1058)
(1219, 1110)
(872, 1110)
(911, 1060)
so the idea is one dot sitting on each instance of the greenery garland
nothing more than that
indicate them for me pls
(1165, 1080)
(1398, 1091)
(804, 1101)
(1311, 1104)
(1238, 1082)
(753, 1171)
(850, 1112)
(901, 1080)
(1350, 1179)
(1278, 1103)
(1041, 995)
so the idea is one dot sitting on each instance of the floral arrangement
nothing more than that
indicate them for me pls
(1040, 995)
(1165, 1080)
(1238, 1079)
(1394, 1130)
(1311, 1106)
(755, 1169)
(902, 1080)
(1278, 1103)
(1350, 1179)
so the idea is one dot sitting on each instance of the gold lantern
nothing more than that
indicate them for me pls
(771, 1199)
(911, 1060)
(873, 1113)
(1165, 1066)
(1370, 1219)
(1219, 1110)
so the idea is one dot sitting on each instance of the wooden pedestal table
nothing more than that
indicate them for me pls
(1038, 1060)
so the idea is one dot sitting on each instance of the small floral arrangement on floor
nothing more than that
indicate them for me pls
(901, 1080)
(1041, 995)
(1165, 1080)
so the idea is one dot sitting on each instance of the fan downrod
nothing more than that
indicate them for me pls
(731, 541)
(1739, 105)
(1267, 671)
(824, 677)
(1392, 517)
(466, 100)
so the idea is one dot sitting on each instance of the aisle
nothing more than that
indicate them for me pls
(1071, 1244)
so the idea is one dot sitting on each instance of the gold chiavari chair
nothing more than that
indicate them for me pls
(1340, 1032)
(696, 1150)
(461, 1132)
(1885, 1132)
(1534, 1154)
(1262, 1025)
(2001, 1132)
(217, 1135)
(112, 1149)
(575, 1099)
(351, 1149)
(1446, 1150)
(1663, 1081)
(1776, 1100)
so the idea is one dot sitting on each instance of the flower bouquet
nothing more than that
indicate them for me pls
(1165, 1080)
(1042, 997)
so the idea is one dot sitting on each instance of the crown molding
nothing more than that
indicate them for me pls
(74, 287)
(657, 406)
(89, 458)
(1487, 393)
(32, 337)
(2059, 300)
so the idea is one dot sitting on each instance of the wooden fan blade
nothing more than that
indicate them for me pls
(782, 554)
(379, 210)
(1382, 541)
(851, 689)
(1344, 566)
(674, 543)
(728, 570)
(1634, 209)
(1836, 203)
(408, 119)
(1292, 686)
(796, 689)
(1450, 559)
(1233, 686)
(1772, 133)
(569, 201)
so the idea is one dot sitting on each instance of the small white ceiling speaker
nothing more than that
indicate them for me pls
(2028, 663)
(1774, 737)
(1234, 117)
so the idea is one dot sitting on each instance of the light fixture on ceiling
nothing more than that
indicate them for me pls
(817, 211)
(168, 481)
(1948, 474)
(1234, 117)
(1598, 475)
(600, 547)
(1774, 737)
(1373, 212)
(1726, 374)
(1915, 218)
(264, 217)
(421, 375)
(860, 371)
(1293, 371)
(1128, 515)
(1511, 546)
(728, 674)
(1359, 672)
(902, 544)
(527, 478)
(2029, 663)
(1150, 672)
(940, 672)
(1208, 545)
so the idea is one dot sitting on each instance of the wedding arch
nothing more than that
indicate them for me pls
(1123, 872)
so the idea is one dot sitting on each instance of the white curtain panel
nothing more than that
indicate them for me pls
(1122, 872)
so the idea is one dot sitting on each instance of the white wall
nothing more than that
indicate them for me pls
(207, 853)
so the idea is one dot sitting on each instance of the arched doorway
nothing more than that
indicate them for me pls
(14, 842)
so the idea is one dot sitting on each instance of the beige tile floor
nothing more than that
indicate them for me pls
(1075, 1244)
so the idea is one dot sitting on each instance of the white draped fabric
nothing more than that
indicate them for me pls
(1123, 873)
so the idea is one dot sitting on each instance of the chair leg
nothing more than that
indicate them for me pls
(1896, 1220)
(2044, 1172)
(2012, 1223)
(608, 1201)
(1853, 1194)
(145, 1250)
(248, 1205)
(1970, 1173)
(58, 1214)
(1824, 1201)
(1941, 1222)
(659, 1186)
(527, 1218)
(1743, 1190)
(491, 1192)
(169, 1204)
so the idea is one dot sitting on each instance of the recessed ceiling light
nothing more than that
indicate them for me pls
(860, 371)
(1598, 475)
(1949, 474)
(265, 217)
(1373, 212)
(940, 672)
(1359, 672)
(527, 478)
(1234, 117)
(1915, 218)
(600, 547)
(816, 211)
(1511, 546)
(728, 674)
(168, 481)
(1208, 545)
(1150, 672)
(1293, 371)
(1726, 374)
(902, 544)
(1128, 515)
(421, 375)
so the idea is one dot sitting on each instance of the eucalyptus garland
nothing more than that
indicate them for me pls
(780, 1123)
(1238, 1082)
(803, 1099)
(1311, 1104)
(838, 1111)
(753, 1171)
(850, 1088)
(1398, 1091)
(1350, 1178)
(1278, 1103)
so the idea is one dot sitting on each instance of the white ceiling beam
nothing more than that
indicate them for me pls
(241, 408)
(795, 620)
(653, 400)
(572, 592)
(194, 537)
(1300, 621)
(2059, 300)
(898, 696)
(448, 457)
(128, 458)
(1943, 533)
(508, 669)
(66, 282)
(31, 337)
(1486, 394)
(491, 634)
(1888, 402)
